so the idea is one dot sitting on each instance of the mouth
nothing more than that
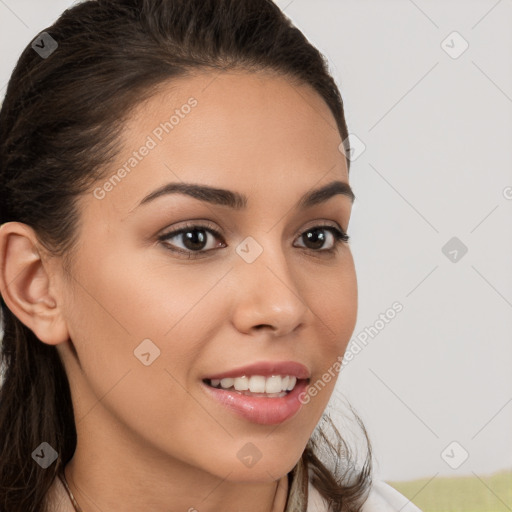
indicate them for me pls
(259, 386)
(265, 393)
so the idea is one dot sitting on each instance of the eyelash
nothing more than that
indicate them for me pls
(339, 238)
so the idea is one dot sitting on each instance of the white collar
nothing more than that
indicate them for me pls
(382, 498)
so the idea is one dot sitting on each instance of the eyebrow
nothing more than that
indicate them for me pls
(238, 201)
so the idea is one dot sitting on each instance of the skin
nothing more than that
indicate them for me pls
(149, 438)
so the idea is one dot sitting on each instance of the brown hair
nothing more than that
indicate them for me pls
(59, 127)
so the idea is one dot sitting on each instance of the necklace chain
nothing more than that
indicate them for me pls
(75, 504)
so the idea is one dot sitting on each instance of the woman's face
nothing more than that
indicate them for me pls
(253, 292)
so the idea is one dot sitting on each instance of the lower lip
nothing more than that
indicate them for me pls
(265, 411)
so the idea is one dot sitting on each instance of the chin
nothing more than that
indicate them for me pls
(251, 464)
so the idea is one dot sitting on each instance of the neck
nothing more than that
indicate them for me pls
(104, 477)
(276, 500)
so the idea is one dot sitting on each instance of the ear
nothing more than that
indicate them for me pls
(26, 284)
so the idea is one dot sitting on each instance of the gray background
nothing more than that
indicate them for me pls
(437, 165)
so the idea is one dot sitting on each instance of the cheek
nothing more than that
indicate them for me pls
(133, 298)
(335, 306)
(127, 313)
(335, 309)
(110, 315)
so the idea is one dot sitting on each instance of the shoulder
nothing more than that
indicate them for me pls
(382, 498)
(57, 498)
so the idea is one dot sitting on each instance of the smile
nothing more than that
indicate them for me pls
(257, 385)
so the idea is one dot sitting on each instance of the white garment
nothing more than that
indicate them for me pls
(382, 498)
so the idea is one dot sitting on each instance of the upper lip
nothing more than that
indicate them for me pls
(266, 369)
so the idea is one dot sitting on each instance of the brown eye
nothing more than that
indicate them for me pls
(193, 239)
(196, 240)
(316, 238)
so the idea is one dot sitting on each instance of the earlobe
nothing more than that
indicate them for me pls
(26, 284)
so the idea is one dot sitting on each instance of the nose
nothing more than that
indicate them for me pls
(268, 294)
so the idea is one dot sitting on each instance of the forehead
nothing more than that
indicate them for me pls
(246, 131)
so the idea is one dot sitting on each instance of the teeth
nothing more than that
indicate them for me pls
(227, 383)
(241, 383)
(273, 384)
(257, 383)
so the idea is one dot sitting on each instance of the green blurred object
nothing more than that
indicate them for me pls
(460, 494)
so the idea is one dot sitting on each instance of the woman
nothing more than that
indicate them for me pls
(175, 268)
